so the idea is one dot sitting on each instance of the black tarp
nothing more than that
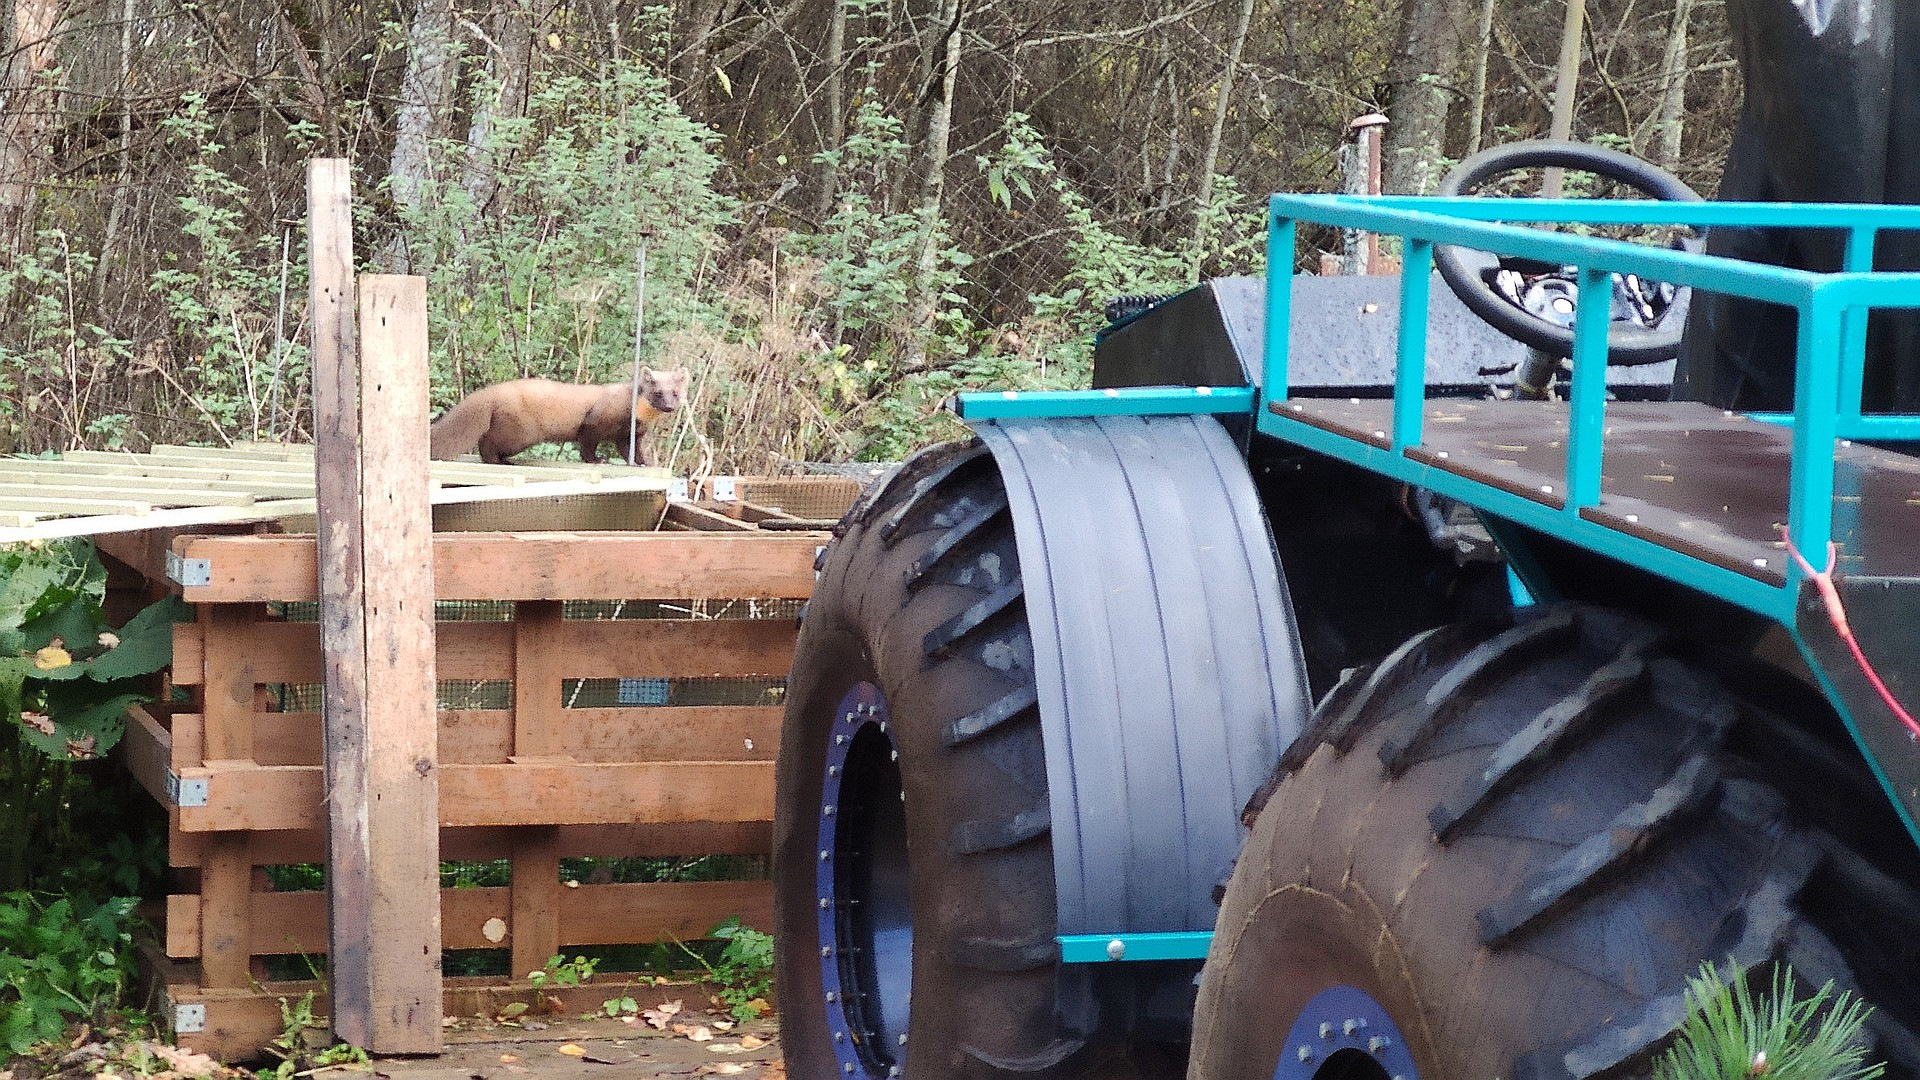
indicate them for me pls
(1831, 114)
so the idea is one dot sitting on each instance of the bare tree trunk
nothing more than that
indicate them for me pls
(1673, 93)
(1566, 89)
(1223, 100)
(836, 107)
(1420, 78)
(694, 63)
(425, 93)
(933, 185)
(26, 115)
(509, 64)
(1483, 47)
(123, 186)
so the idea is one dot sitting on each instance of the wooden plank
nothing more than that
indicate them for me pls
(627, 839)
(59, 528)
(253, 797)
(146, 497)
(295, 923)
(538, 662)
(241, 1022)
(388, 798)
(533, 928)
(535, 566)
(682, 515)
(485, 736)
(279, 652)
(333, 303)
(147, 750)
(226, 894)
(228, 679)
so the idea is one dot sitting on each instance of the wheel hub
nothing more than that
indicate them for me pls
(865, 919)
(1343, 1034)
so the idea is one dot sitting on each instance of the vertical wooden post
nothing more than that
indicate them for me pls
(402, 808)
(376, 616)
(536, 729)
(226, 870)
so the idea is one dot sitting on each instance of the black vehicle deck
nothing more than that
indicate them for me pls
(1686, 476)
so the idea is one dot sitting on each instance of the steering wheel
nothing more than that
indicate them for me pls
(1533, 302)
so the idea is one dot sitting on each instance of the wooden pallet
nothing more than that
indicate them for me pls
(540, 773)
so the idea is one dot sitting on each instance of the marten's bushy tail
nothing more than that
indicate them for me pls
(459, 429)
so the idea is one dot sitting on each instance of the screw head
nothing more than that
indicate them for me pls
(827, 810)
(1326, 1028)
(825, 854)
(824, 905)
(1116, 949)
(826, 950)
(1378, 1043)
(1305, 1053)
(831, 996)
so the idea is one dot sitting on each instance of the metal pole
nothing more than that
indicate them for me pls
(1362, 177)
(1566, 87)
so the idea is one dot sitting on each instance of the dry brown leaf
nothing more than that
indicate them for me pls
(572, 1050)
(184, 1062)
(701, 1034)
(658, 1017)
(723, 1025)
(508, 1059)
(724, 1068)
(752, 1042)
(726, 1048)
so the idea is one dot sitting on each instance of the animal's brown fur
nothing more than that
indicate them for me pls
(503, 419)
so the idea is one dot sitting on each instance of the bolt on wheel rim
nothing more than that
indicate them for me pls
(865, 920)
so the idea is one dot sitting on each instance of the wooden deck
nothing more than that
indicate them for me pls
(91, 492)
(1686, 476)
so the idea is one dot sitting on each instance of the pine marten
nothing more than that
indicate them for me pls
(503, 419)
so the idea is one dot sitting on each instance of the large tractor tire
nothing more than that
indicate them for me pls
(1503, 850)
(914, 867)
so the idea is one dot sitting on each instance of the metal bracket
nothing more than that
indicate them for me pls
(188, 1019)
(677, 490)
(192, 792)
(189, 573)
(1100, 948)
(724, 490)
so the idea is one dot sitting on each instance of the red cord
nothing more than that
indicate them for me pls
(1837, 615)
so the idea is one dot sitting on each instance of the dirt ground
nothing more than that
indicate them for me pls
(599, 1047)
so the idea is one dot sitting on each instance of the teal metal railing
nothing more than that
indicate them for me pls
(1830, 352)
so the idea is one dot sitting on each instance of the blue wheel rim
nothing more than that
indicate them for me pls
(865, 918)
(1343, 1034)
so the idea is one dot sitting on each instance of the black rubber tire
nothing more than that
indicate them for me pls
(920, 597)
(1536, 914)
(1627, 345)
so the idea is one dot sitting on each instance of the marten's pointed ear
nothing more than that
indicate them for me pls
(645, 371)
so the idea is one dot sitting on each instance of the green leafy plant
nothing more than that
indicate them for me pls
(66, 680)
(743, 970)
(1729, 1034)
(300, 1028)
(561, 971)
(59, 959)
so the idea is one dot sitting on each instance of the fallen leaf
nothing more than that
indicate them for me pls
(680, 1029)
(723, 1025)
(752, 1042)
(52, 658)
(572, 1050)
(700, 1034)
(726, 1048)
(108, 639)
(39, 722)
(508, 1059)
(657, 1017)
(512, 1009)
(724, 1068)
(184, 1062)
(449, 1021)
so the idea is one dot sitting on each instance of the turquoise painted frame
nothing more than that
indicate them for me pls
(1830, 365)
(1831, 348)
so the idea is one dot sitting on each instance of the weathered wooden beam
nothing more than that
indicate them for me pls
(287, 923)
(535, 566)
